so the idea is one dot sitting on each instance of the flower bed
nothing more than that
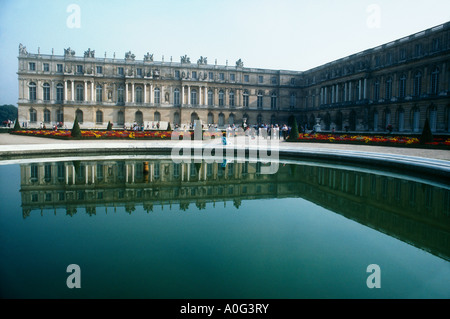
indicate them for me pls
(439, 142)
(97, 134)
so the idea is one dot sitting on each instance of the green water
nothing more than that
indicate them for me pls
(305, 232)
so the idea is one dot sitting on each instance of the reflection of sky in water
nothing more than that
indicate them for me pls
(268, 248)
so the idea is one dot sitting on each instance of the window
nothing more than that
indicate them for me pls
(376, 91)
(46, 116)
(99, 93)
(32, 66)
(273, 80)
(120, 70)
(32, 91)
(120, 118)
(436, 44)
(435, 81)
(210, 98)
(59, 68)
(99, 117)
(232, 77)
(177, 74)
(120, 94)
(388, 92)
(260, 79)
(211, 75)
(79, 116)
(194, 74)
(246, 78)
(273, 101)
(194, 97)
(259, 119)
(388, 58)
(417, 84)
(402, 87)
(157, 116)
(403, 54)
(47, 173)
(138, 94)
(231, 98)
(292, 81)
(157, 94)
(139, 71)
(79, 69)
(418, 50)
(221, 76)
(33, 116)
(46, 67)
(176, 97)
(34, 172)
(59, 116)
(80, 93)
(259, 100)
(245, 98)
(59, 93)
(292, 101)
(46, 92)
(221, 98)
(99, 69)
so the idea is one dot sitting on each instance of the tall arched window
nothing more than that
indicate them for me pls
(293, 100)
(32, 91)
(46, 92)
(99, 117)
(259, 119)
(401, 120)
(416, 120)
(99, 93)
(59, 93)
(120, 94)
(259, 100)
(273, 101)
(388, 89)
(231, 98)
(157, 117)
(60, 116)
(139, 118)
(210, 98)
(376, 91)
(435, 81)
(157, 96)
(47, 116)
(221, 119)
(176, 97)
(194, 97)
(402, 87)
(245, 98)
(79, 116)
(33, 116)
(176, 118)
(120, 118)
(210, 118)
(138, 94)
(433, 118)
(80, 93)
(221, 98)
(231, 119)
(417, 87)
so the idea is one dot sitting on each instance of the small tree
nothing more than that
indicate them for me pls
(109, 127)
(17, 126)
(293, 135)
(168, 127)
(427, 136)
(76, 131)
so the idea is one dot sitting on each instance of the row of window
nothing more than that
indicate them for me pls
(138, 98)
(139, 73)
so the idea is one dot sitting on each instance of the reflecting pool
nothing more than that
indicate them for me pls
(146, 227)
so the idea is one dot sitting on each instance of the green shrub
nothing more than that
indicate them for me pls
(76, 131)
(427, 136)
(293, 135)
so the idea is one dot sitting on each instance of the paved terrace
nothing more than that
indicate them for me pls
(428, 161)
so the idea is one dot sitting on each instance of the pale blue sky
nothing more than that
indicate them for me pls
(274, 34)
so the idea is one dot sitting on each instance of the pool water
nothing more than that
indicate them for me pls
(150, 228)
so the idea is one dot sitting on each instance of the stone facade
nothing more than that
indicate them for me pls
(399, 83)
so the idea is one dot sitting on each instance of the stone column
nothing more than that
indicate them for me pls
(189, 95)
(73, 90)
(152, 96)
(365, 88)
(337, 93)
(126, 92)
(145, 93)
(92, 91)
(332, 94)
(206, 96)
(182, 95)
(65, 90)
(350, 91)
(200, 95)
(85, 91)
(132, 92)
(345, 92)
(360, 90)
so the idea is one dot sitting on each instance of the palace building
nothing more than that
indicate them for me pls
(401, 83)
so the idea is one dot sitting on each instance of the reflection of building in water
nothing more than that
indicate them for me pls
(414, 212)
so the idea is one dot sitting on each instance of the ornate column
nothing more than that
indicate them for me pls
(360, 90)
(92, 91)
(73, 90)
(126, 92)
(205, 96)
(337, 93)
(200, 95)
(132, 93)
(365, 88)
(189, 95)
(182, 95)
(145, 93)
(152, 96)
(345, 92)
(85, 91)
(65, 90)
